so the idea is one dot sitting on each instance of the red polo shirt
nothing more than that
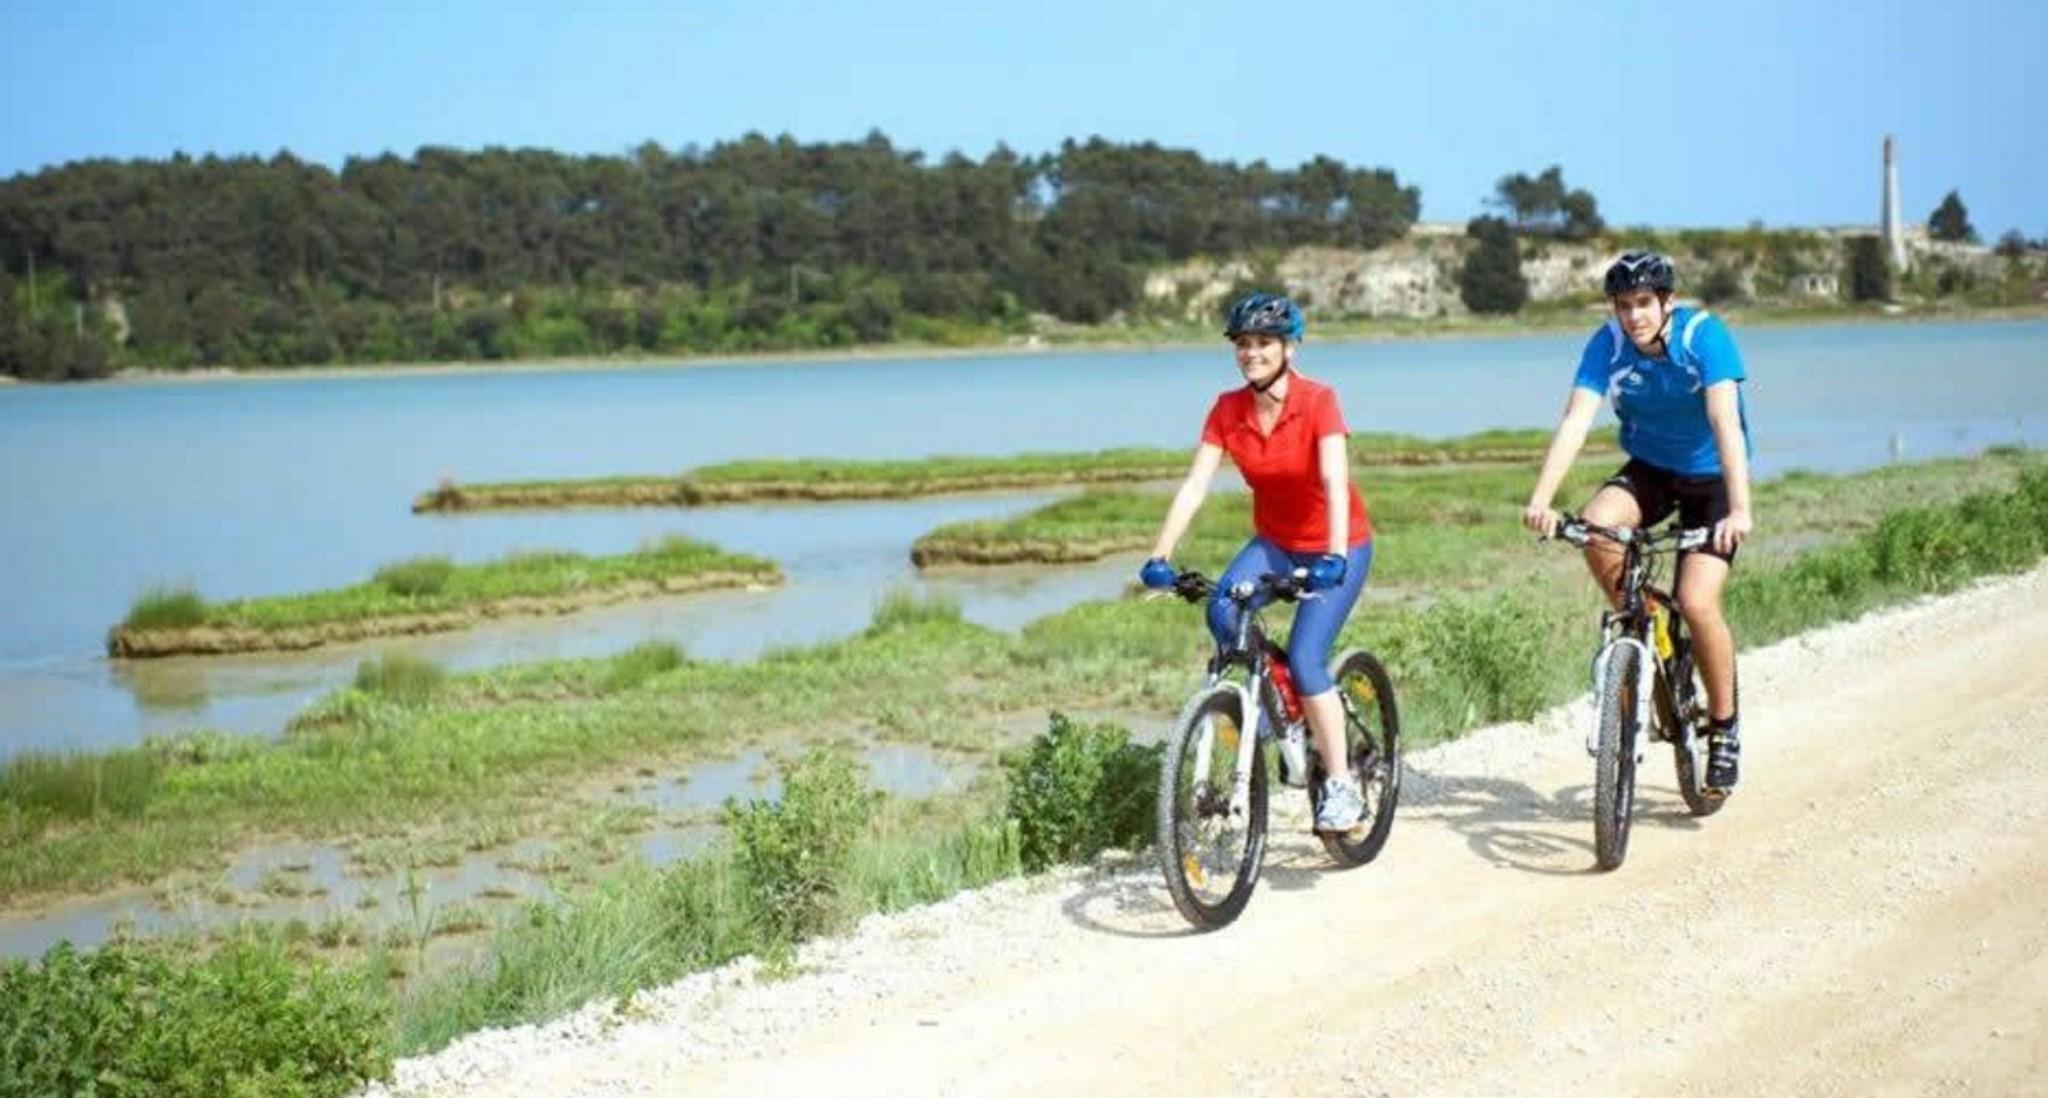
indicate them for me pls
(1288, 502)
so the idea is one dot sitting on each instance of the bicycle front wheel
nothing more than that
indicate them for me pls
(1372, 742)
(1614, 767)
(1210, 850)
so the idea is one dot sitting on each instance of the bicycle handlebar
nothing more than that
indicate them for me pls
(1288, 587)
(1579, 532)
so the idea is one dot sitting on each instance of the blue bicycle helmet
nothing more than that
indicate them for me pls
(1641, 271)
(1260, 313)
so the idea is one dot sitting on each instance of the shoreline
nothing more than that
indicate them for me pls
(1122, 343)
(126, 642)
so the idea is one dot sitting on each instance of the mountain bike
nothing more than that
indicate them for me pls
(1214, 775)
(1644, 683)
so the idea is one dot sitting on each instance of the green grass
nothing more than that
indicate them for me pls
(432, 585)
(1441, 523)
(399, 677)
(416, 577)
(81, 786)
(642, 662)
(903, 609)
(166, 608)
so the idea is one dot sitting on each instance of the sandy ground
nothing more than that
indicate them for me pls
(1866, 917)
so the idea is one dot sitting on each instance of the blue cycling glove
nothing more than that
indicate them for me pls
(1327, 572)
(1157, 574)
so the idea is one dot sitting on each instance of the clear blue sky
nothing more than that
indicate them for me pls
(1671, 114)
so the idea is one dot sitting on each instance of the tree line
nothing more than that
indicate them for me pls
(752, 244)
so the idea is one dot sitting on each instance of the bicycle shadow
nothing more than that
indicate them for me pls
(1510, 824)
(1128, 899)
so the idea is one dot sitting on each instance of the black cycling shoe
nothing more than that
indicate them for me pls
(1724, 758)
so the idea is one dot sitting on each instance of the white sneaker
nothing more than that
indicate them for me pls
(1343, 806)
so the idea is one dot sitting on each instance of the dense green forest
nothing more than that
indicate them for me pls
(753, 244)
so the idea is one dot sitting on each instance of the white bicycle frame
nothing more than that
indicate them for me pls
(1247, 746)
(1248, 736)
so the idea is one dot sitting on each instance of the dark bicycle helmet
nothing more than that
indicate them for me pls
(1641, 271)
(1260, 313)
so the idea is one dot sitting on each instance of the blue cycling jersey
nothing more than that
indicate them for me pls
(1662, 402)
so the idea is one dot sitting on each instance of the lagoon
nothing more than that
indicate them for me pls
(269, 486)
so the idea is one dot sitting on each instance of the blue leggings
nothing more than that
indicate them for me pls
(1316, 620)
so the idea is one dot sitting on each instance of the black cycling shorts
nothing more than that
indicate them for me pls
(1699, 501)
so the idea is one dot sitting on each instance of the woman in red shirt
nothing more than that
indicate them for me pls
(1285, 434)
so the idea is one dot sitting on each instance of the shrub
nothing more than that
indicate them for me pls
(167, 608)
(791, 853)
(1923, 549)
(416, 576)
(129, 1020)
(1491, 653)
(1077, 790)
(400, 677)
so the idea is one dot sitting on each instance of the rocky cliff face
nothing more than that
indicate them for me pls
(1417, 276)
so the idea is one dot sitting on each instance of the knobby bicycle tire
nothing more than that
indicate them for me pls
(1691, 777)
(1614, 767)
(1211, 863)
(1372, 740)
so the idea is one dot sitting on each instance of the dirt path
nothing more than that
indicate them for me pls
(1866, 918)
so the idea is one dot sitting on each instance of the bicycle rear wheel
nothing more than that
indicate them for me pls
(1372, 741)
(1614, 767)
(1210, 856)
(1688, 745)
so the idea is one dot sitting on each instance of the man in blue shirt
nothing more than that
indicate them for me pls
(1674, 377)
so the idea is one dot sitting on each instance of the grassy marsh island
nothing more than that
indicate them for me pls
(428, 595)
(1423, 489)
(826, 479)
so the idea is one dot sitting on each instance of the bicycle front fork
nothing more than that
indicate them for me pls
(1646, 671)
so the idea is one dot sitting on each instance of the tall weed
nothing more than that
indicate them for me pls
(901, 609)
(82, 786)
(400, 677)
(167, 608)
(641, 662)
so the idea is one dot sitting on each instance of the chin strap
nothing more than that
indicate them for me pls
(1664, 332)
(1278, 376)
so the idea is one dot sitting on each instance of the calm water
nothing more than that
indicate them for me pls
(261, 487)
